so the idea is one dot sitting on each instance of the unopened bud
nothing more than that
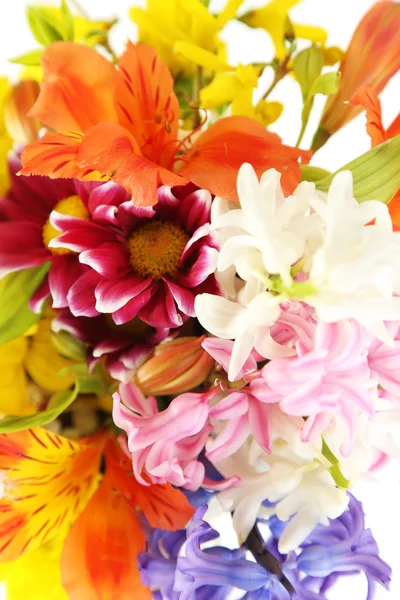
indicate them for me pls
(177, 366)
(22, 97)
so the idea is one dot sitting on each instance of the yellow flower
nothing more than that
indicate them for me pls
(5, 140)
(164, 22)
(36, 575)
(31, 356)
(274, 18)
(231, 85)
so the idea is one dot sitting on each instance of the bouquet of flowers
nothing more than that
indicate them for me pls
(196, 324)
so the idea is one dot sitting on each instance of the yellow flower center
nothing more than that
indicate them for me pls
(72, 206)
(156, 247)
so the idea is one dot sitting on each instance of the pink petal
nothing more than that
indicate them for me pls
(260, 423)
(109, 260)
(184, 298)
(232, 437)
(221, 351)
(64, 272)
(40, 296)
(112, 295)
(205, 265)
(234, 405)
(81, 298)
(195, 210)
(133, 307)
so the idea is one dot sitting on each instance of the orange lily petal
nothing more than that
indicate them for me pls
(99, 558)
(217, 154)
(367, 98)
(394, 128)
(47, 482)
(55, 155)
(113, 151)
(372, 58)
(77, 90)
(146, 103)
(164, 507)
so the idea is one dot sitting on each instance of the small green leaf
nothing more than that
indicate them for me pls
(44, 31)
(58, 403)
(68, 21)
(30, 59)
(307, 66)
(326, 84)
(16, 290)
(335, 471)
(67, 345)
(376, 174)
(88, 383)
(310, 173)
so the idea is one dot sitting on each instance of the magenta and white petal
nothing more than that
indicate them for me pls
(183, 297)
(78, 234)
(109, 260)
(112, 295)
(81, 298)
(134, 306)
(204, 266)
(195, 210)
(65, 270)
(107, 194)
(40, 296)
(161, 309)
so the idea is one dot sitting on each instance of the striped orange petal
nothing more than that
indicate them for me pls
(78, 88)
(99, 559)
(368, 99)
(217, 154)
(163, 506)
(146, 103)
(47, 481)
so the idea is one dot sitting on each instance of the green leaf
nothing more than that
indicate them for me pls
(376, 174)
(30, 59)
(307, 66)
(44, 31)
(16, 290)
(68, 21)
(310, 173)
(67, 345)
(326, 84)
(88, 383)
(58, 403)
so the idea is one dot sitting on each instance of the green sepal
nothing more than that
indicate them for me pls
(310, 173)
(30, 59)
(16, 290)
(307, 66)
(68, 22)
(67, 345)
(88, 383)
(335, 471)
(44, 30)
(376, 174)
(58, 403)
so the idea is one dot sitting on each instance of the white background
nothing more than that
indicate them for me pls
(381, 499)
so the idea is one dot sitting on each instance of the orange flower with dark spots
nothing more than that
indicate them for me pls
(121, 123)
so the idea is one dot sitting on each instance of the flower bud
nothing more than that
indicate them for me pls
(177, 366)
(22, 97)
(372, 58)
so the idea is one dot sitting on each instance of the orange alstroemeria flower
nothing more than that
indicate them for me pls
(121, 123)
(51, 482)
(372, 58)
(366, 98)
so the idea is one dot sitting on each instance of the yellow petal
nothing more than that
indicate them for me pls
(221, 90)
(5, 140)
(229, 12)
(13, 381)
(36, 575)
(308, 32)
(242, 104)
(202, 57)
(47, 481)
(332, 55)
(268, 112)
(43, 363)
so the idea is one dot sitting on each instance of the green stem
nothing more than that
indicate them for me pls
(197, 82)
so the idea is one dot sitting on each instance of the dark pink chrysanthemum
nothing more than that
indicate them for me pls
(25, 230)
(123, 347)
(144, 262)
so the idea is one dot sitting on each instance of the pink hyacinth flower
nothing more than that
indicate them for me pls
(327, 381)
(164, 445)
